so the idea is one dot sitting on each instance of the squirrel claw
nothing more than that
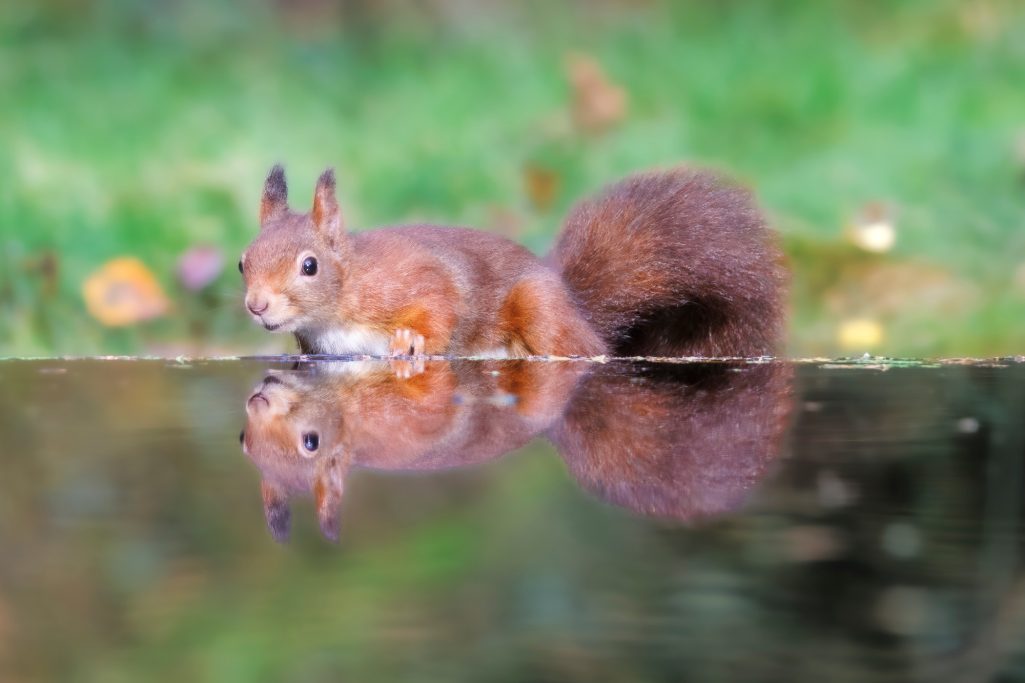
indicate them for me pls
(406, 342)
(407, 351)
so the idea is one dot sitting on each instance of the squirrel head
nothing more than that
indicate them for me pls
(307, 427)
(296, 442)
(298, 263)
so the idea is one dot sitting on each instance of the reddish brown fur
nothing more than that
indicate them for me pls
(673, 263)
(539, 319)
(443, 417)
(682, 441)
(685, 441)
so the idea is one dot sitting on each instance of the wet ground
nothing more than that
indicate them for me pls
(511, 521)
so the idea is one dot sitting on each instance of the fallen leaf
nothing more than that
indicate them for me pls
(199, 267)
(873, 229)
(859, 334)
(542, 186)
(597, 103)
(124, 292)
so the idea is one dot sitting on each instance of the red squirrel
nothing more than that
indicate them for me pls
(678, 262)
(682, 441)
(307, 428)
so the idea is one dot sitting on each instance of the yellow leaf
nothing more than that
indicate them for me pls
(860, 334)
(124, 292)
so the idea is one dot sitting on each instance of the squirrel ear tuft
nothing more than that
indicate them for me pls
(327, 496)
(326, 215)
(276, 510)
(275, 194)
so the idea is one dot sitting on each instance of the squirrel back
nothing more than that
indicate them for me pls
(674, 263)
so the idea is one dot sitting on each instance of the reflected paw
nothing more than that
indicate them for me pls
(404, 369)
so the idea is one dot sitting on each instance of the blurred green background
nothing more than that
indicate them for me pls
(886, 141)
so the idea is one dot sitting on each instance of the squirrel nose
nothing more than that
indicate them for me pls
(256, 306)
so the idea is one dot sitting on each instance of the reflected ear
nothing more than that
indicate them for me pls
(275, 509)
(327, 218)
(327, 495)
(275, 195)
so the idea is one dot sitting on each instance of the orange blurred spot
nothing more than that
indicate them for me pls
(124, 292)
(542, 186)
(598, 103)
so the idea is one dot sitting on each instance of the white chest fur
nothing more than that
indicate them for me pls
(499, 353)
(338, 341)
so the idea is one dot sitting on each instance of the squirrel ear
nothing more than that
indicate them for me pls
(275, 509)
(326, 216)
(275, 194)
(327, 495)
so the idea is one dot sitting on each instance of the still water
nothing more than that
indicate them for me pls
(511, 521)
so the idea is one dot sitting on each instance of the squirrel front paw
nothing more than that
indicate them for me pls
(406, 342)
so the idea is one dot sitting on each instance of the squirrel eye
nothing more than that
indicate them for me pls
(311, 441)
(309, 266)
(240, 265)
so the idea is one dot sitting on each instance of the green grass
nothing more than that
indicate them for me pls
(141, 131)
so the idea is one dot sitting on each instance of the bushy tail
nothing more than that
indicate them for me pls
(675, 263)
(691, 441)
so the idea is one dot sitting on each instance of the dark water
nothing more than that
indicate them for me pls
(511, 521)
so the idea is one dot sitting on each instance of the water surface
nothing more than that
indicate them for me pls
(511, 521)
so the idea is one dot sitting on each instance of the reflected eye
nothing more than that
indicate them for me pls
(311, 441)
(309, 266)
(240, 266)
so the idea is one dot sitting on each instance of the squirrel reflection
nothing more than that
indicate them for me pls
(679, 441)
